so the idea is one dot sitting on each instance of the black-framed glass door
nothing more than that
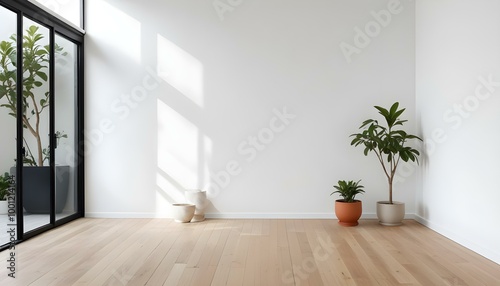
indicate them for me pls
(8, 123)
(42, 118)
(36, 119)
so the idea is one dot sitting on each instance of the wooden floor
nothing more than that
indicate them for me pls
(31, 221)
(244, 252)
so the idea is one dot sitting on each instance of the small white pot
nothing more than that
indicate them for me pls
(199, 199)
(183, 212)
(4, 207)
(390, 214)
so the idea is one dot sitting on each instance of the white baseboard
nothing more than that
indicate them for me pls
(121, 215)
(281, 215)
(234, 215)
(271, 215)
(218, 215)
(487, 253)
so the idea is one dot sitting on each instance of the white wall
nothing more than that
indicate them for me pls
(175, 89)
(457, 50)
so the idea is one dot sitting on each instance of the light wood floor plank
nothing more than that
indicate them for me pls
(149, 266)
(210, 259)
(245, 252)
(224, 265)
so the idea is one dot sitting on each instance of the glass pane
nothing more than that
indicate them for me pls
(68, 9)
(7, 114)
(65, 126)
(36, 122)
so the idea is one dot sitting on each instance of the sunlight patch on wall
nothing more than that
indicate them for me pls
(177, 147)
(166, 195)
(180, 69)
(207, 158)
(118, 30)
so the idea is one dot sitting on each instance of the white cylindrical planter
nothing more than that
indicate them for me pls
(390, 214)
(183, 212)
(199, 199)
(3, 207)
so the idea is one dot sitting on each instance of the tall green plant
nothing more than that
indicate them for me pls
(35, 96)
(387, 141)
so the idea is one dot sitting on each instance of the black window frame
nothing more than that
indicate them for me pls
(56, 25)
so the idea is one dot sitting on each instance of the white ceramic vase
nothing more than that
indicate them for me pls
(183, 212)
(199, 199)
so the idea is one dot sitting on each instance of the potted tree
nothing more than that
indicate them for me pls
(348, 210)
(388, 142)
(35, 102)
(4, 191)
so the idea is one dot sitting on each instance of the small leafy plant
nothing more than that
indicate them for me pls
(348, 190)
(387, 142)
(5, 183)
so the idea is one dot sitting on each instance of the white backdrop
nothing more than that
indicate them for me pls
(458, 99)
(191, 94)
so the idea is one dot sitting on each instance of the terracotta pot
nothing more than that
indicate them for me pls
(348, 213)
(390, 214)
